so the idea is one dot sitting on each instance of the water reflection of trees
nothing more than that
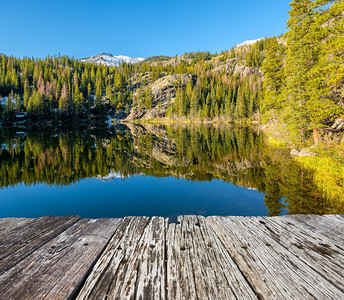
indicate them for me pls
(232, 154)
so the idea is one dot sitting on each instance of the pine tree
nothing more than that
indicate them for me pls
(8, 114)
(273, 76)
(63, 101)
(77, 100)
(17, 101)
(240, 108)
(194, 103)
(327, 76)
(301, 55)
(148, 98)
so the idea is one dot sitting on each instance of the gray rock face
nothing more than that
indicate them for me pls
(306, 152)
(167, 85)
(246, 71)
(135, 114)
(302, 153)
(163, 90)
(338, 124)
(233, 68)
(294, 152)
(156, 112)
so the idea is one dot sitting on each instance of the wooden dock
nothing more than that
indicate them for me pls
(289, 257)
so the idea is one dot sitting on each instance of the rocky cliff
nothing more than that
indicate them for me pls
(163, 90)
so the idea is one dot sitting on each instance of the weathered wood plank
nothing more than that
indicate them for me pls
(150, 261)
(57, 269)
(116, 275)
(199, 266)
(23, 240)
(290, 257)
(324, 226)
(318, 252)
(7, 224)
(336, 220)
(272, 270)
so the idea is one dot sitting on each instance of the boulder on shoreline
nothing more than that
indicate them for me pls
(338, 124)
(302, 153)
(294, 152)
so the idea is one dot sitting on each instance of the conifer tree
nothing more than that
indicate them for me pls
(327, 75)
(194, 103)
(301, 55)
(148, 98)
(273, 76)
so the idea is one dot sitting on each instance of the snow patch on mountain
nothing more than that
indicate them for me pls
(249, 42)
(111, 60)
(111, 176)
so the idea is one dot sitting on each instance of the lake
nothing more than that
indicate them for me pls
(146, 170)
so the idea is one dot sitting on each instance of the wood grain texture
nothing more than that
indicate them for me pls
(289, 257)
(199, 266)
(57, 269)
(317, 251)
(7, 224)
(272, 270)
(115, 275)
(325, 226)
(23, 240)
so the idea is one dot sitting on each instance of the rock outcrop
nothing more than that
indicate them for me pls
(302, 153)
(338, 124)
(233, 68)
(163, 90)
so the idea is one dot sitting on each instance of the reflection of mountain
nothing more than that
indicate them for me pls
(111, 176)
(200, 153)
(203, 153)
(194, 153)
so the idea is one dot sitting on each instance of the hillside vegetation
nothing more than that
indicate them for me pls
(296, 79)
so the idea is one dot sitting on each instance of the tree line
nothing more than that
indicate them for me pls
(302, 85)
(58, 88)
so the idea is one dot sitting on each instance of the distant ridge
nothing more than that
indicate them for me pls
(111, 60)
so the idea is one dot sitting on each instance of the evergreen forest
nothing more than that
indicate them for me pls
(296, 79)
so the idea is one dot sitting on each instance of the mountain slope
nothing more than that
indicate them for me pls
(111, 60)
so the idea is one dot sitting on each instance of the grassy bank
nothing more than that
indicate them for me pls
(328, 167)
(196, 121)
(327, 164)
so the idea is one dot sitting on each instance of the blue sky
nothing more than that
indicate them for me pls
(136, 28)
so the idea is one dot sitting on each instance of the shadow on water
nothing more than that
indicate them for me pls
(212, 158)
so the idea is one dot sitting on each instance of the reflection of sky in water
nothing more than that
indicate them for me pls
(134, 196)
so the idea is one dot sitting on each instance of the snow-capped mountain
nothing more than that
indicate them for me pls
(111, 60)
(249, 42)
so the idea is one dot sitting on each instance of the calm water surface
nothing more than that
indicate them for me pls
(148, 170)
